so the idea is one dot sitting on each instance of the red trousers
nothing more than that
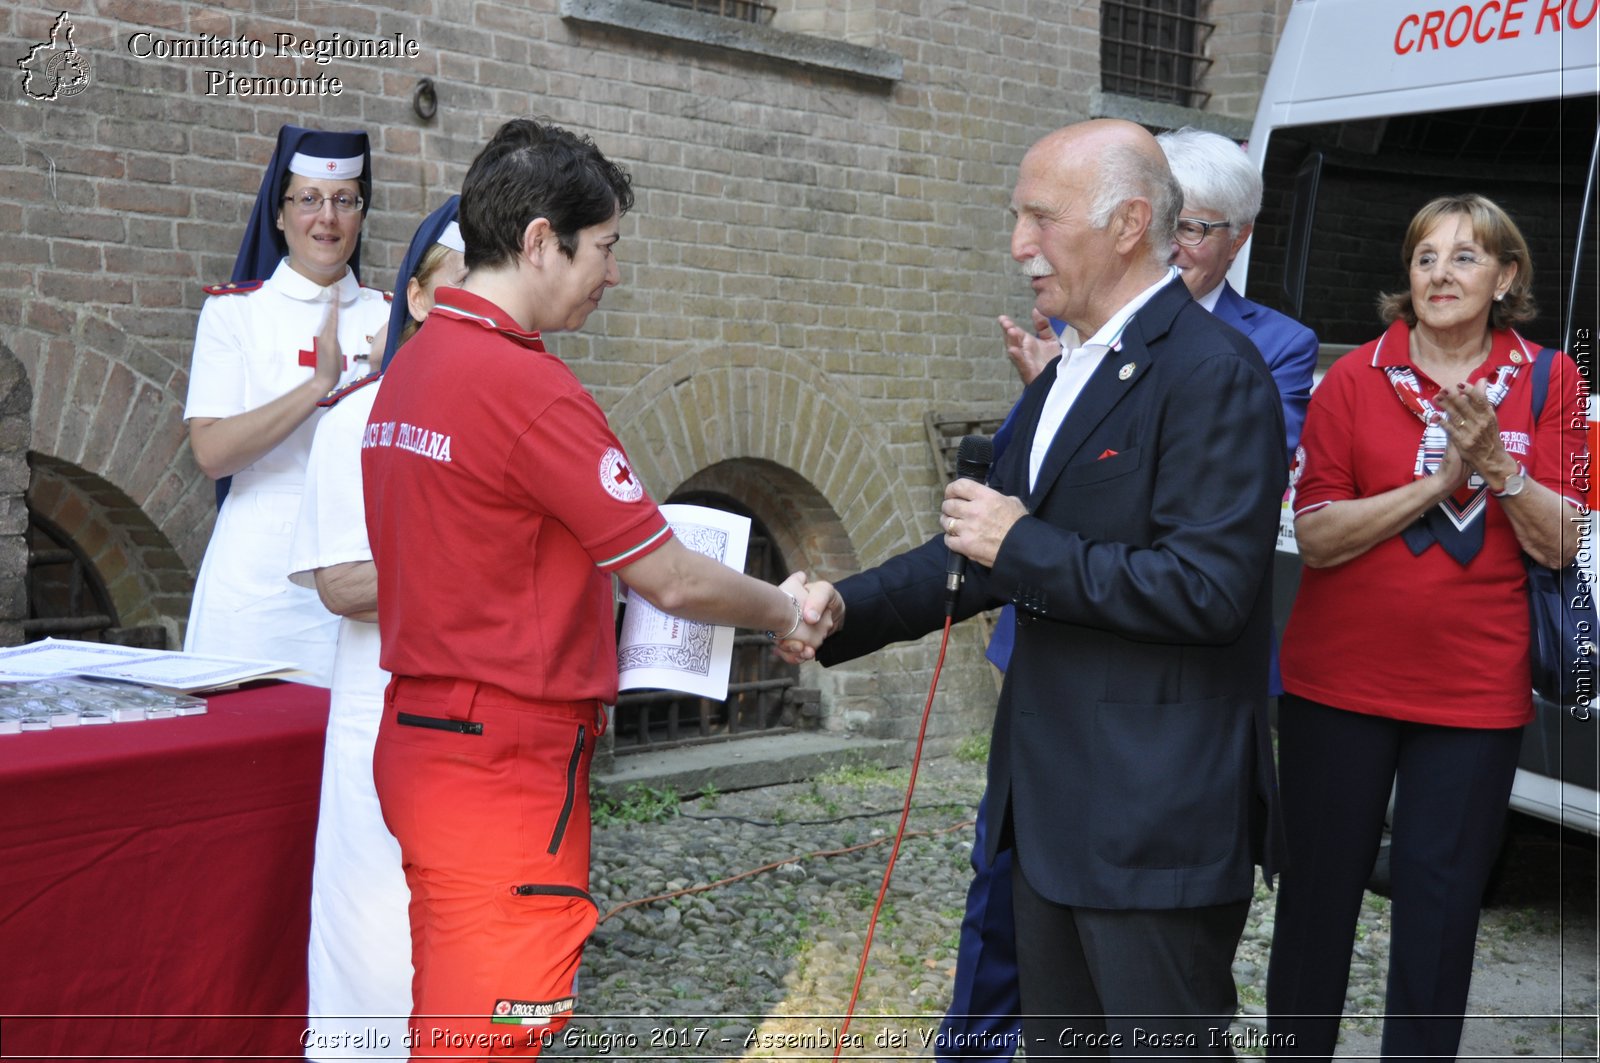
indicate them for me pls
(488, 794)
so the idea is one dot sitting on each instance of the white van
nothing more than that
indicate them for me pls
(1374, 107)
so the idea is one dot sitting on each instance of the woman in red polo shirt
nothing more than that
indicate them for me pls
(1420, 481)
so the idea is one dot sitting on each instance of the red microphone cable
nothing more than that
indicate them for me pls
(894, 851)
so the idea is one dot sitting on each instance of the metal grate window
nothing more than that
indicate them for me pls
(66, 596)
(743, 10)
(1155, 50)
(762, 694)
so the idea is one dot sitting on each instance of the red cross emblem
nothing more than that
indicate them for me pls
(617, 478)
(309, 358)
(332, 166)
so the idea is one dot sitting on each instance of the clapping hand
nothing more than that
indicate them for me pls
(1474, 430)
(330, 359)
(1030, 353)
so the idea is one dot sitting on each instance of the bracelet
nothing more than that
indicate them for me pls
(773, 636)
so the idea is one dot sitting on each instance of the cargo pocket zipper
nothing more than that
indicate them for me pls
(572, 792)
(438, 723)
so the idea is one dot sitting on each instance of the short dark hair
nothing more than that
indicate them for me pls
(529, 170)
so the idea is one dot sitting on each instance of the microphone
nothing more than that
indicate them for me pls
(973, 458)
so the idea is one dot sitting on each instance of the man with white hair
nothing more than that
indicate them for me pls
(1131, 522)
(1221, 197)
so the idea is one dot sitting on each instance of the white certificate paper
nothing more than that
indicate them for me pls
(661, 652)
(57, 658)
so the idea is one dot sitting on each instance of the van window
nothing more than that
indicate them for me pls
(1371, 176)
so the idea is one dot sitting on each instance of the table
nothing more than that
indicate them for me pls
(155, 881)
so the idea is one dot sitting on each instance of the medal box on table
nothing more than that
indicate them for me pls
(47, 704)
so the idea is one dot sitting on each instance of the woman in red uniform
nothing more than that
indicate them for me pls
(500, 505)
(1421, 481)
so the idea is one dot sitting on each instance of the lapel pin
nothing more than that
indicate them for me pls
(1516, 357)
(1125, 372)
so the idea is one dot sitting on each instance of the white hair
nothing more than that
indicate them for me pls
(1128, 173)
(1215, 174)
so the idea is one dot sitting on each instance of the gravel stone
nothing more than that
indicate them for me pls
(764, 966)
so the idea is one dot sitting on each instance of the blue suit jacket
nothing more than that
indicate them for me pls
(1290, 351)
(1130, 752)
(1288, 348)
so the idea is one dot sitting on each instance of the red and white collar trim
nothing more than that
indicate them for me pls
(462, 305)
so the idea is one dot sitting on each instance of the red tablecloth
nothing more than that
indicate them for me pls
(155, 881)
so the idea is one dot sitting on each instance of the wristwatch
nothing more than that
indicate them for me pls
(1513, 485)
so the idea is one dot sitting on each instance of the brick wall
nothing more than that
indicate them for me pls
(815, 259)
(1242, 48)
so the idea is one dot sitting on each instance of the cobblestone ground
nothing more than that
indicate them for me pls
(761, 964)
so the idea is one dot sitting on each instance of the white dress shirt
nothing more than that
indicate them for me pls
(1075, 368)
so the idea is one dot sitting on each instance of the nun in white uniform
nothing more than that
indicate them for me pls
(359, 960)
(293, 325)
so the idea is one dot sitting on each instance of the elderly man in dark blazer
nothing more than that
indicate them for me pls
(1221, 197)
(1131, 521)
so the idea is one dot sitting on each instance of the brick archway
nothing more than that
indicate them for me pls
(110, 406)
(808, 460)
(107, 454)
(147, 581)
(804, 527)
(792, 424)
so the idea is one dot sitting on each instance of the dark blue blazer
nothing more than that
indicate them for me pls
(1131, 754)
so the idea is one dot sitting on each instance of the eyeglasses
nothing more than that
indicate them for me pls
(309, 202)
(1463, 260)
(1192, 232)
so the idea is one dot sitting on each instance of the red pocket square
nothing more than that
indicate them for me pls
(1107, 453)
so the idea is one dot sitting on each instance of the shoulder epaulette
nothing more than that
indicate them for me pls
(233, 287)
(333, 397)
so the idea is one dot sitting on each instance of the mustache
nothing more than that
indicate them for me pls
(1037, 267)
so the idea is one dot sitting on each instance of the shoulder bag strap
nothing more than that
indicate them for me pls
(1541, 381)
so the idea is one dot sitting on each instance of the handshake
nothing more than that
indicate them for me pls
(821, 614)
(975, 520)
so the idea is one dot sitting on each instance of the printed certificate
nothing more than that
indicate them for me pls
(661, 652)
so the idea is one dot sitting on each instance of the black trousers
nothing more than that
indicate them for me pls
(1134, 984)
(1335, 772)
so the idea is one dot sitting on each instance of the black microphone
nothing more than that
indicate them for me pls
(973, 459)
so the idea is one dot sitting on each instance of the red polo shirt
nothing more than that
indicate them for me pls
(1420, 637)
(497, 502)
